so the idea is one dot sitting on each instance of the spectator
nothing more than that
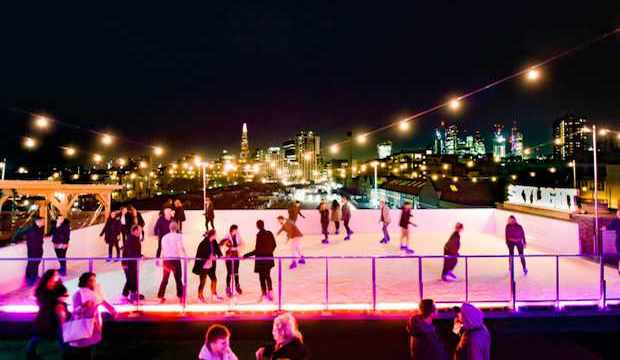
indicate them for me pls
(346, 216)
(209, 213)
(205, 264)
(336, 215)
(385, 220)
(233, 243)
(132, 252)
(515, 237)
(111, 231)
(288, 341)
(179, 214)
(475, 340)
(162, 227)
(61, 233)
(86, 301)
(265, 246)
(34, 245)
(172, 251)
(294, 211)
(451, 251)
(217, 344)
(424, 342)
(51, 297)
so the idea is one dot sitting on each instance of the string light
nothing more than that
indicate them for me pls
(455, 104)
(404, 125)
(107, 139)
(70, 151)
(158, 151)
(361, 139)
(533, 74)
(97, 158)
(41, 122)
(30, 143)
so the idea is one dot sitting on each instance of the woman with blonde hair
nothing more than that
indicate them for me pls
(289, 342)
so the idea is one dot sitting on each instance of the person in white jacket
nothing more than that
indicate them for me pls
(172, 250)
(217, 344)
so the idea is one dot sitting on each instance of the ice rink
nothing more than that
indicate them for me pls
(347, 283)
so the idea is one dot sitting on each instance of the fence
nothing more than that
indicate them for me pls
(328, 284)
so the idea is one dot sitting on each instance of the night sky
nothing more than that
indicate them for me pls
(188, 77)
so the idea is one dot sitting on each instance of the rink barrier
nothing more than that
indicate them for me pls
(373, 306)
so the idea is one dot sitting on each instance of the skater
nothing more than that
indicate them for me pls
(132, 251)
(162, 227)
(335, 215)
(294, 211)
(515, 237)
(125, 219)
(34, 245)
(61, 232)
(405, 221)
(179, 214)
(172, 250)
(294, 236)
(450, 251)
(233, 243)
(346, 217)
(209, 213)
(474, 338)
(205, 264)
(615, 226)
(265, 246)
(111, 230)
(424, 342)
(324, 213)
(385, 221)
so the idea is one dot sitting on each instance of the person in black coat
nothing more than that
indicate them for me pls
(132, 251)
(126, 221)
(136, 219)
(179, 214)
(451, 251)
(424, 342)
(265, 246)
(162, 227)
(205, 264)
(61, 232)
(111, 231)
(34, 244)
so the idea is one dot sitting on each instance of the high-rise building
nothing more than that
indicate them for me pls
(452, 139)
(516, 141)
(479, 148)
(499, 142)
(275, 163)
(439, 140)
(289, 152)
(570, 141)
(384, 149)
(308, 148)
(244, 155)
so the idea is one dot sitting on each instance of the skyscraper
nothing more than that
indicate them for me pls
(516, 141)
(439, 140)
(384, 149)
(479, 148)
(244, 156)
(570, 141)
(452, 139)
(308, 148)
(499, 142)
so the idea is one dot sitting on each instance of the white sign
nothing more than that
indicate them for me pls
(547, 198)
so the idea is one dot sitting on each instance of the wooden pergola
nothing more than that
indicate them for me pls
(55, 193)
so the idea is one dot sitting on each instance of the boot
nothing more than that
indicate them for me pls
(214, 295)
(201, 297)
(238, 288)
(229, 292)
(270, 295)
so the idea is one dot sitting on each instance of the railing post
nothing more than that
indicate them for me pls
(420, 281)
(138, 264)
(185, 277)
(513, 287)
(91, 267)
(279, 284)
(326, 283)
(466, 279)
(557, 282)
(42, 266)
(374, 284)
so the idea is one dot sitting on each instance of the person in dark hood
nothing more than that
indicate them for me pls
(424, 342)
(34, 245)
(61, 232)
(475, 339)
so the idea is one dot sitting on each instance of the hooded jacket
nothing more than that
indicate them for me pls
(424, 342)
(475, 342)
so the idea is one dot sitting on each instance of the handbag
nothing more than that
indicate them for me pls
(78, 328)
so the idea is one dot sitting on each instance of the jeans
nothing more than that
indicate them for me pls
(511, 250)
(112, 246)
(61, 254)
(386, 234)
(32, 271)
(449, 263)
(175, 267)
(232, 269)
(265, 281)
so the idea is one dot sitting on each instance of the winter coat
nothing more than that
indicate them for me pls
(346, 212)
(453, 245)
(47, 324)
(294, 350)
(162, 226)
(179, 214)
(132, 248)
(335, 214)
(424, 341)
(62, 233)
(265, 246)
(206, 248)
(111, 230)
(515, 233)
(34, 241)
(385, 215)
(405, 218)
(475, 342)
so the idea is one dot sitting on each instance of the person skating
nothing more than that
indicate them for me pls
(385, 220)
(294, 211)
(132, 252)
(336, 215)
(233, 243)
(209, 213)
(450, 251)
(405, 221)
(324, 214)
(205, 265)
(111, 231)
(615, 226)
(424, 342)
(162, 227)
(294, 237)
(346, 217)
(515, 237)
(61, 233)
(179, 214)
(33, 235)
(265, 246)
(172, 251)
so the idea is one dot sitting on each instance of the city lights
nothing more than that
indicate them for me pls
(107, 139)
(41, 122)
(403, 125)
(455, 179)
(513, 177)
(434, 177)
(527, 151)
(470, 164)
(308, 156)
(361, 139)
(334, 148)
(94, 177)
(122, 162)
(532, 174)
(474, 179)
(143, 164)
(557, 141)
(493, 178)
(533, 74)
(552, 170)
(70, 151)
(22, 170)
(30, 143)
(197, 160)
(75, 177)
(97, 158)
(158, 151)
(455, 104)
(445, 166)
(603, 132)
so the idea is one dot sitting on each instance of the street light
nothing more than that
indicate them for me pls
(158, 151)
(532, 74)
(70, 151)
(455, 104)
(107, 139)
(334, 148)
(403, 125)
(30, 143)
(41, 122)
(361, 139)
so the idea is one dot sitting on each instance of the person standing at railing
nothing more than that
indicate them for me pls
(336, 215)
(126, 222)
(324, 214)
(265, 246)
(385, 220)
(294, 237)
(294, 211)
(172, 250)
(61, 232)
(209, 213)
(515, 237)
(33, 235)
(136, 219)
(346, 216)
(110, 232)
(179, 214)
(132, 251)
(205, 265)
(615, 226)
(450, 252)
(405, 221)
(162, 227)
(233, 243)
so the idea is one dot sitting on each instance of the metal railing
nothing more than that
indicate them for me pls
(373, 302)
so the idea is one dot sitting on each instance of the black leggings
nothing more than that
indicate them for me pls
(449, 263)
(61, 254)
(203, 280)
(111, 246)
(265, 281)
(511, 251)
(232, 268)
